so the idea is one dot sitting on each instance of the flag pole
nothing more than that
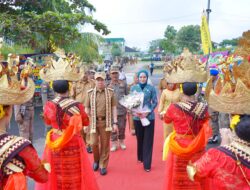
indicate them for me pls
(208, 10)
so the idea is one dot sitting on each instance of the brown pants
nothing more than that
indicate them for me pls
(100, 142)
(120, 135)
(214, 121)
(26, 128)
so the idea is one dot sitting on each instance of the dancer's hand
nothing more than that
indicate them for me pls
(86, 129)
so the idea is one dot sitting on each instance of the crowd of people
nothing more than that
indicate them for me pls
(83, 114)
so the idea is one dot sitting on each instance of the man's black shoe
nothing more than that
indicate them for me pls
(89, 149)
(103, 171)
(213, 140)
(96, 166)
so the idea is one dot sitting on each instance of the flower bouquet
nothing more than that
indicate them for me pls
(134, 103)
(132, 100)
(142, 113)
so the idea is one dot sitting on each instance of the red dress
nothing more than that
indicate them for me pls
(220, 166)
(186, 128)
(70, 166)
(21, 155)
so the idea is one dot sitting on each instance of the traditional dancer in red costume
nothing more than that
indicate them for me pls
(65, 149)
(228, 166)
(189, 119)
(18, 158)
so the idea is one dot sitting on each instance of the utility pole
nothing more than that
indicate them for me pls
(208, 11)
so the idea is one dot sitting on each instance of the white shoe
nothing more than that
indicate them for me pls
(122, 145)
(114, 147)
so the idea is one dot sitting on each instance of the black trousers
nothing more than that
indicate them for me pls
(151, 71)
(145, 141)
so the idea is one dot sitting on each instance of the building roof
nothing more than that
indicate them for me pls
(112, 40)
(130, 50)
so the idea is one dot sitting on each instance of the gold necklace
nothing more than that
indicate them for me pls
(238, 162)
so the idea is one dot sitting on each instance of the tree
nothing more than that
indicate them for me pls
(232, 42)
(170, 33)
(116, 50)
(189, 37)
(168, 43)
(43, 24)
(155, 44)
(86, 47)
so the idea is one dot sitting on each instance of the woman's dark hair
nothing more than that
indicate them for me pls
(189, 88)
(60, 86)
(242, 129)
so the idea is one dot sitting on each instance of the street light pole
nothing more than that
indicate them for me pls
(208, 11)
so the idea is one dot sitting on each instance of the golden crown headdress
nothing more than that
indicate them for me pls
(13, 91)
(243, 48)
(65, 68)
(185, 68)
(231, 94)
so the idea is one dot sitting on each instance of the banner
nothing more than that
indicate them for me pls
(205, 36)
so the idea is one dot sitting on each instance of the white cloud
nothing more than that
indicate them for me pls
(140, 21)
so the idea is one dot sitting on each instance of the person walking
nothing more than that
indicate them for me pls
(151, 68)
(145, 134)
(120, 89)
(100, 105)
(214, 114)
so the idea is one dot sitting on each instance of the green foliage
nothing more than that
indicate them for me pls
(17, 49)
(116, 50)
(174, 41)
(154, 45)
(222, 49)
(189, 37)
(170, 33)
(168, 43)
(42, 23)
(86, 47)
(232, 42)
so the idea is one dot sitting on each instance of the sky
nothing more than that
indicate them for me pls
(141, 21)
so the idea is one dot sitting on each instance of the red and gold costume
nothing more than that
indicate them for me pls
(65, 150)
(187, 142)
(221, 167)
(190, 124)
(19, 159)
(228, 166)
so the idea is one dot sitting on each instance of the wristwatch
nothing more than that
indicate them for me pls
(115, 123)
